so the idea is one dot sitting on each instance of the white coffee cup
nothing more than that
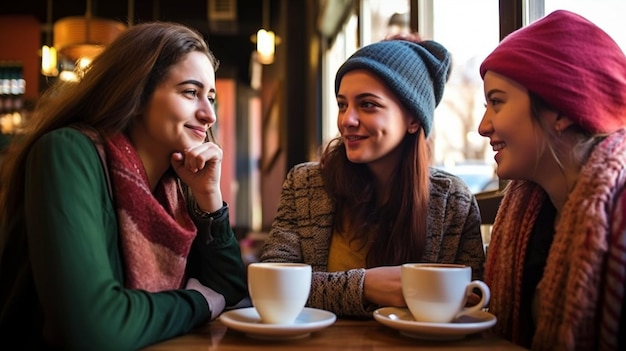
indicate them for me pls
(279, 291)
(437, 293)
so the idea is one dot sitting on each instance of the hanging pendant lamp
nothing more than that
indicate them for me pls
(86, 36)
(265, 39)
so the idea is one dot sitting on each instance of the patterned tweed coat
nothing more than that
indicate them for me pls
(302, 232)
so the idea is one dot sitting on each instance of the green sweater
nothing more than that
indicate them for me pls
(61, 270)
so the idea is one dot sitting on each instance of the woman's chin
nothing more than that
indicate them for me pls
(190, 144)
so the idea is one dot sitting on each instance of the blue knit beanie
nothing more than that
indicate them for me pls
(416, 73)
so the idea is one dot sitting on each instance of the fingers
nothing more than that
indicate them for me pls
(197, 158)
(472, 300)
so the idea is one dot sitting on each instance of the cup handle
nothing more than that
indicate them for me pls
(484, 301)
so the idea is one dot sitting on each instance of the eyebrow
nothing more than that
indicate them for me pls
(494, 91)
(362, 96)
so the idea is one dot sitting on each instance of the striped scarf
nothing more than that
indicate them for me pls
(156, 230)
(580, 300)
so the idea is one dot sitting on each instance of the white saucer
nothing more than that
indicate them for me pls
(247, 320)
(402, 320)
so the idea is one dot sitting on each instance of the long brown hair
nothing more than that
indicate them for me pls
(110, 95)
(397, 229)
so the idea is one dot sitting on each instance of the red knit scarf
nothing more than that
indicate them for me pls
(156, 230)
(580, 300)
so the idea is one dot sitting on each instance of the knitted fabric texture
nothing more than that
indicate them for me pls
(571, 64)
(570, 294)
(156, 231)
(415, 72)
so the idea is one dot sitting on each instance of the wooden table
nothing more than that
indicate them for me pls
(344, 335)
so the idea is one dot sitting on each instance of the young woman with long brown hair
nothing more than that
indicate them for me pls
(114, 231)
(374, 202)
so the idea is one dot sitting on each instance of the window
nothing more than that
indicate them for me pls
(343, 46)
(368, 26)
(470, 31)
(607, 14)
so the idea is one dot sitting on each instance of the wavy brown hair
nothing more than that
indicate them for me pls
(397, 229)
(111, 94)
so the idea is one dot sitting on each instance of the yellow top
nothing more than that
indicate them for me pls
(345, 254)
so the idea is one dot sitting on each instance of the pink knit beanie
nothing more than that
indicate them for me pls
(570, 63)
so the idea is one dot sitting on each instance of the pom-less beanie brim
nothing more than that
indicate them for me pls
(415, 72)
(570, 63)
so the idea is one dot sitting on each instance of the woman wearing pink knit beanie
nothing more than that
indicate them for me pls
(555, 116)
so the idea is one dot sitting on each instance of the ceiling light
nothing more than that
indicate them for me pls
(76, 37)
(265, 39)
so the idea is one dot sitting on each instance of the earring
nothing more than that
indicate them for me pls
(412, 130)
(560, 126)
(559, 131)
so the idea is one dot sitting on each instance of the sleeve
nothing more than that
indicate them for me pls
(215, 257)
(471, 249)
(76, 265)
(464, 219)
(338, 292)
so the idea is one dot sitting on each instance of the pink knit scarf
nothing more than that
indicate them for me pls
(156, 230)
(579, 299)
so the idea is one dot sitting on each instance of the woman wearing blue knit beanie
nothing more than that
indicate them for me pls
(372, 202)
(556, 118)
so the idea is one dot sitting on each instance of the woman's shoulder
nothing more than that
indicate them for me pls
(305, 170)
(64, 136)
(446, 181)
(63, 144)
(305, 175)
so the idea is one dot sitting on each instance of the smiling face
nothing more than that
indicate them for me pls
(371, 120)
(517, 140)
(180, 111)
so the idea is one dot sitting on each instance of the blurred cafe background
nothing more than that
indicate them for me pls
(275, 102)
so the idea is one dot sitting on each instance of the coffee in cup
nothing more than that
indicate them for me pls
(279, 291)
(437, 292)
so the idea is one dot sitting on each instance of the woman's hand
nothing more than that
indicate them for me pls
(200, 167)
(383, 286)
(214, 299)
